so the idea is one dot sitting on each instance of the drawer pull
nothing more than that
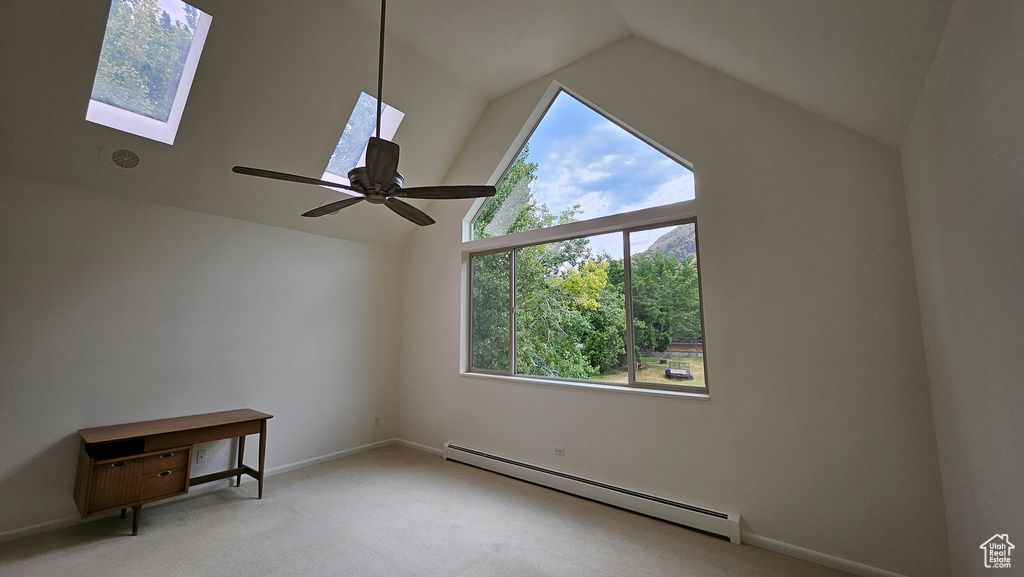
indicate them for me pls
(164, 474)
(166, 455)
(118, 464)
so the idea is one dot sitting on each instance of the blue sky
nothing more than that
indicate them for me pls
(175, 9)
(585, 158)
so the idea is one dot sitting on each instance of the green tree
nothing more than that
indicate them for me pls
(665, 300)
(570, 316)
(556, 294)
(605, 344)
(360, 126)
(513, 207)
(570, 321)
(143, 57)
(191, 19)
(490, 309)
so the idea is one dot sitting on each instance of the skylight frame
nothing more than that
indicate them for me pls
(390, 119)
(144, 126)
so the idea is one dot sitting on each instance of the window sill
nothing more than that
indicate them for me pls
(589, 385)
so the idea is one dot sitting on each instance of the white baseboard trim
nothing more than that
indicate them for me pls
(815, 557)
(419, 447)
(52, 525)
(64, 522)
(324, 458)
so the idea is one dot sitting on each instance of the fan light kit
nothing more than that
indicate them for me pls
(379, 182)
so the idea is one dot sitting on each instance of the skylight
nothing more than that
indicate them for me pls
(579, 165)
(150, 52)
(362, 124)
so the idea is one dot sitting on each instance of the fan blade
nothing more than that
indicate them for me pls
(289, 177)
(381, 161)
(446, 192)
(409, 212)
(333, 207)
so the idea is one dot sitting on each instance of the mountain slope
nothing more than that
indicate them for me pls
(679, 242)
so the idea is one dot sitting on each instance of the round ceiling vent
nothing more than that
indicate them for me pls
(125, 158)
(120, 159)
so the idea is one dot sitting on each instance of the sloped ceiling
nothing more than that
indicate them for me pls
(274, 88)
(860, 63)
(278, 80)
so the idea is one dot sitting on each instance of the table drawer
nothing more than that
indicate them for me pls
(170, 459)
(115, 483)
(164, 483)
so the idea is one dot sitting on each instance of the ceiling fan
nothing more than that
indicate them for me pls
(379, 182)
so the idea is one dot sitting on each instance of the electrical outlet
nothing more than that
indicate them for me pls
(560, 451)
(200, 456)
(376, 421)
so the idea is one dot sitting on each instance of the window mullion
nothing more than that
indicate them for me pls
(627, 289)
(512, 311)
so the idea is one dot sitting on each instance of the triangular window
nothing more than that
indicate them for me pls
(579, 165)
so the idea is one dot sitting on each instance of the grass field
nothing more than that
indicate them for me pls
(654, 372)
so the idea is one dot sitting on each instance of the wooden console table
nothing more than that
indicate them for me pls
(125, 466)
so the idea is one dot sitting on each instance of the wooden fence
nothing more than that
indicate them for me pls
(686, 347)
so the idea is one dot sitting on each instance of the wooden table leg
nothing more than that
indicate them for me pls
(241, 452)
(123, 511)
(136, 517)
(263, 452)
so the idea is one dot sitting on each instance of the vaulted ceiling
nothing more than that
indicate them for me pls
(278, 80)
(860, 63)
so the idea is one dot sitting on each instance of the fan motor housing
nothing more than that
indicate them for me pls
(361, 180)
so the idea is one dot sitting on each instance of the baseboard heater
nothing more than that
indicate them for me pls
(708, 520)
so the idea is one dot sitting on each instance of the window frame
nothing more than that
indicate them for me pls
(143, 126)
(526, 133)
(390, 120)
(643, 219)
(564, 233)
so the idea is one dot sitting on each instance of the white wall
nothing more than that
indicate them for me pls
(962, 160)
(115, 310)
(819, 428)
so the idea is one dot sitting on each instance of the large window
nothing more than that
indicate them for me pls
(578, 309)
(583, 267)
(150, 52)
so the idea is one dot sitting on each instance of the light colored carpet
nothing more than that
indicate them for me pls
(392, 511)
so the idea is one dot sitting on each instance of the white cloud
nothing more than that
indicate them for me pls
(586, 159)
(676, 190)
(610, 244)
